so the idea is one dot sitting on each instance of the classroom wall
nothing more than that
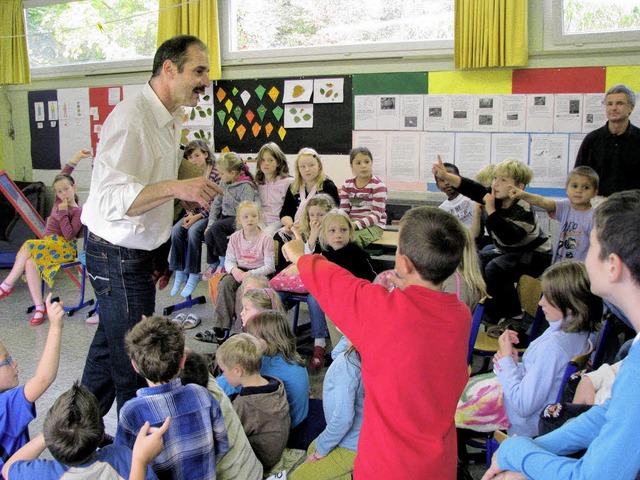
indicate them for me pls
(15, 152)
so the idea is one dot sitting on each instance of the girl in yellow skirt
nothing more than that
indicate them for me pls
(41, 259)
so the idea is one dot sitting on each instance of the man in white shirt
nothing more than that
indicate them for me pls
(129, 211)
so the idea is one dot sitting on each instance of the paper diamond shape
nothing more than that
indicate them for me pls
(241, 130)
(228, 105)
(220, 94)
(221, 115)
(260, 91)
(225, 149)
(268, 128)
(256, 129)
(262, 110)
(277, 112)
(282, 132)
(231, 123)
(273, 93)
(234, 91)
(237, 112)
(250, 116)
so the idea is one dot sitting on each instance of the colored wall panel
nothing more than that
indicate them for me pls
(43, 120)
(470, 81)
(390, 84)
(627, 75)
(559, 80)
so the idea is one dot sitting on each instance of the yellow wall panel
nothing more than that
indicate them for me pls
(627, 75)
(470, 81)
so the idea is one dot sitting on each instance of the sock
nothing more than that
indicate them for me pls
(221, 264)
(179, 279)
(6, 287)
(214, 265)
(320, 342)
(191, 285)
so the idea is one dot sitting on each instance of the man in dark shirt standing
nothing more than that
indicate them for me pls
(613, 150)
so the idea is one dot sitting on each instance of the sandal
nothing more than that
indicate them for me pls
(207, 336)
(192, 321)
(208, 273)
(179, 319)
(5, 293)
(38, 317)
(317, 359)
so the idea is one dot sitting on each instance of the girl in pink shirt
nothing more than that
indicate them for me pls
(273, 180)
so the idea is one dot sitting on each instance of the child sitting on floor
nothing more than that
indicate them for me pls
(520, 246)
(239, 463)
(72, 431)
(261, 403)
(197, 437)
(364, 198)
(574, 213)
(17, 403)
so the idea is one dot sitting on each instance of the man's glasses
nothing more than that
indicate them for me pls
(8, 361)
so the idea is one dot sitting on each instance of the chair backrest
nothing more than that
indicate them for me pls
(579, 362)
(529, 292)
(475, 328)
(602, 341)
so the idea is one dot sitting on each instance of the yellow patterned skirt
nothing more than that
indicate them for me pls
(49, 253)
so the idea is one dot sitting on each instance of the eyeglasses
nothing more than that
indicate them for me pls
(8, 361)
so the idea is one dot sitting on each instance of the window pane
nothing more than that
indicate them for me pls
(91, 31)
(591, 16)
(269, 24)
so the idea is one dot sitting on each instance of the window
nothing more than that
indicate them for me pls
(592, 24)
(262, 31)
(91, 35)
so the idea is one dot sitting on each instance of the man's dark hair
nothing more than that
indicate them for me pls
(617, 223)
(175, 49)
(73, 427)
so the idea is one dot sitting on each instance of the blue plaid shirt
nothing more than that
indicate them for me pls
(196, 435)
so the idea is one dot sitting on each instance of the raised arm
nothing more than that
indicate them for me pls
(48, 366)
(441, 172)
(29, 451)
(147, 447)
(533, 199)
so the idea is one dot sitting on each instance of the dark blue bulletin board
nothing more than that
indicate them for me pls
(45, 126)
(331, 132)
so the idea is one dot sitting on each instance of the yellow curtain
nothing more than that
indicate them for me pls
(192, 17)
(14, 57)
(491, 33)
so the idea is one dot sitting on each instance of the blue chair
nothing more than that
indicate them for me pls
(577, 363)
(605, 335)
(476, 320)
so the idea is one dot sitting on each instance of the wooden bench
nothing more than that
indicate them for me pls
(389, 239)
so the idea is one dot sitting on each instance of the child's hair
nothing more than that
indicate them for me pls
(274, 329)
(196, 369)
(65, 176)
(469, 268)
(433, 240)
(264, 299)
(451, 168)
(511, 168)
(231, 162)
(156, 346)
(193, 145)
(242, 350)
(616, 223)
(282, 169)
(356, 150)
(261, 281)
(322, 200)
(298, 182)
(585, 171)
(244, 205)
(485, 175)
(335, 214)
(73, 427)
(566, 286)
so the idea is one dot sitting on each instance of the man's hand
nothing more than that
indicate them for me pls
(198, 190)
(293, 250)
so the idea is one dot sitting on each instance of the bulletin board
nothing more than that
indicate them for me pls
(250, 113)
(43, 121)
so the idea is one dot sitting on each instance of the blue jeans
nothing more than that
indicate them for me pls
(316, 316)
(121, 279)
(186, 246)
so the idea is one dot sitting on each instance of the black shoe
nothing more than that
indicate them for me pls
(221, 334)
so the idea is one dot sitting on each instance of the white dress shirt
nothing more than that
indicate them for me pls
(139, 146)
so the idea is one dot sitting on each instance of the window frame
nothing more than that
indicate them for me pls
(82, 69)
(555, 39)
(390, 50)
